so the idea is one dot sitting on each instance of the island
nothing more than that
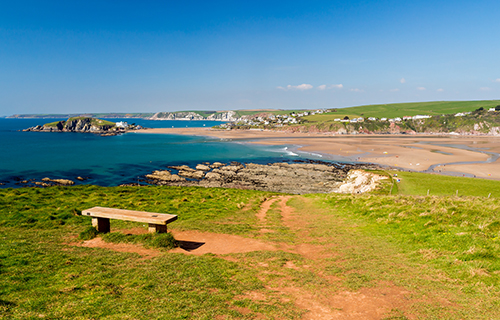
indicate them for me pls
(86, 125)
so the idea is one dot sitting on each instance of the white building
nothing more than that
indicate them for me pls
(121, 124)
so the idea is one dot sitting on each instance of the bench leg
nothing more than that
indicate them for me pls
(101, 224)
(158, 228)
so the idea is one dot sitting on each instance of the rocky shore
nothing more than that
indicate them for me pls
(299, 177)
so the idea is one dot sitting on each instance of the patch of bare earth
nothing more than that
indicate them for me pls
(367, 303)
(198, 243)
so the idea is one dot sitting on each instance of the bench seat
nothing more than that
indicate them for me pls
(157, 222)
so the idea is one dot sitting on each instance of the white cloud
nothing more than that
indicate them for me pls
(332, 86)
(496, 80)
(356, 90)
(421, 88)
(303, 86)
(394, 90)
(485, 89)
(402, 80)
(440, 90)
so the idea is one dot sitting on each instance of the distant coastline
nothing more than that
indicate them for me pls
(410, 152)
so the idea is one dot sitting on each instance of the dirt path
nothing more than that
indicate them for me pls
(366, 303)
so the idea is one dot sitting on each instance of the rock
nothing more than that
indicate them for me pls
(202, 167)
(175, 177)
(42, 184)
(213, 176)
(164, 176)
(232, 168)
(160, 175)
(183, 167)
(224, 173)
(192, 174)
(359, 181)
(299, 177)
(80, 178)
(62, 182)
(216, 165)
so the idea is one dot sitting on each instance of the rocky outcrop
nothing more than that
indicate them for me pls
(223, 116)
(189, 115)
(61, 182)
(164, 176)
(176, 116)
(298, 177)
(359, 181)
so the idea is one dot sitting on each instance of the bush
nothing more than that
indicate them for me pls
(89, 233)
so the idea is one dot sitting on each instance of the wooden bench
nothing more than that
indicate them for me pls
(157, 222)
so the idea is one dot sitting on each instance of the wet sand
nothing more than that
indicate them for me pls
(414, 152)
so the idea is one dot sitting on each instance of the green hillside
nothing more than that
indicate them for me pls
(404, 109)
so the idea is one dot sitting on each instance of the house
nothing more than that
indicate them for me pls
(121, 124)
(419, 116)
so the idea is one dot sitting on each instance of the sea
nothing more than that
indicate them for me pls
(121, 159)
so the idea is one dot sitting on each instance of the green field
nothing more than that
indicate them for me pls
(413, 183)
(404, 109)
(414, 256)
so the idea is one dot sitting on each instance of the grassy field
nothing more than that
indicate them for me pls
(404, 109)
(413, 183)
(428, 257)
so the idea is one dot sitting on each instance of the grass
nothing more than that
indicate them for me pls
(438, 246)
(406, 109)
(414, 183)
(435, 248)
(44, 276)
(53, 124)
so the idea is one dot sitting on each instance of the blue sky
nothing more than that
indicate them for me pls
(147, 56)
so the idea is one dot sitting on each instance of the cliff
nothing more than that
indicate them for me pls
(191, 115)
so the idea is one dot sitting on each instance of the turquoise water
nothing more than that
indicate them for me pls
(115, 160)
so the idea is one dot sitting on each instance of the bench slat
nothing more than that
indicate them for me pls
(130, 215)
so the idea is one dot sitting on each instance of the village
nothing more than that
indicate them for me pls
(280, 120)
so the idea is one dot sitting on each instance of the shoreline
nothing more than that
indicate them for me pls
(407, 152)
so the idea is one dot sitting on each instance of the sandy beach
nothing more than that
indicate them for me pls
(413, 152)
